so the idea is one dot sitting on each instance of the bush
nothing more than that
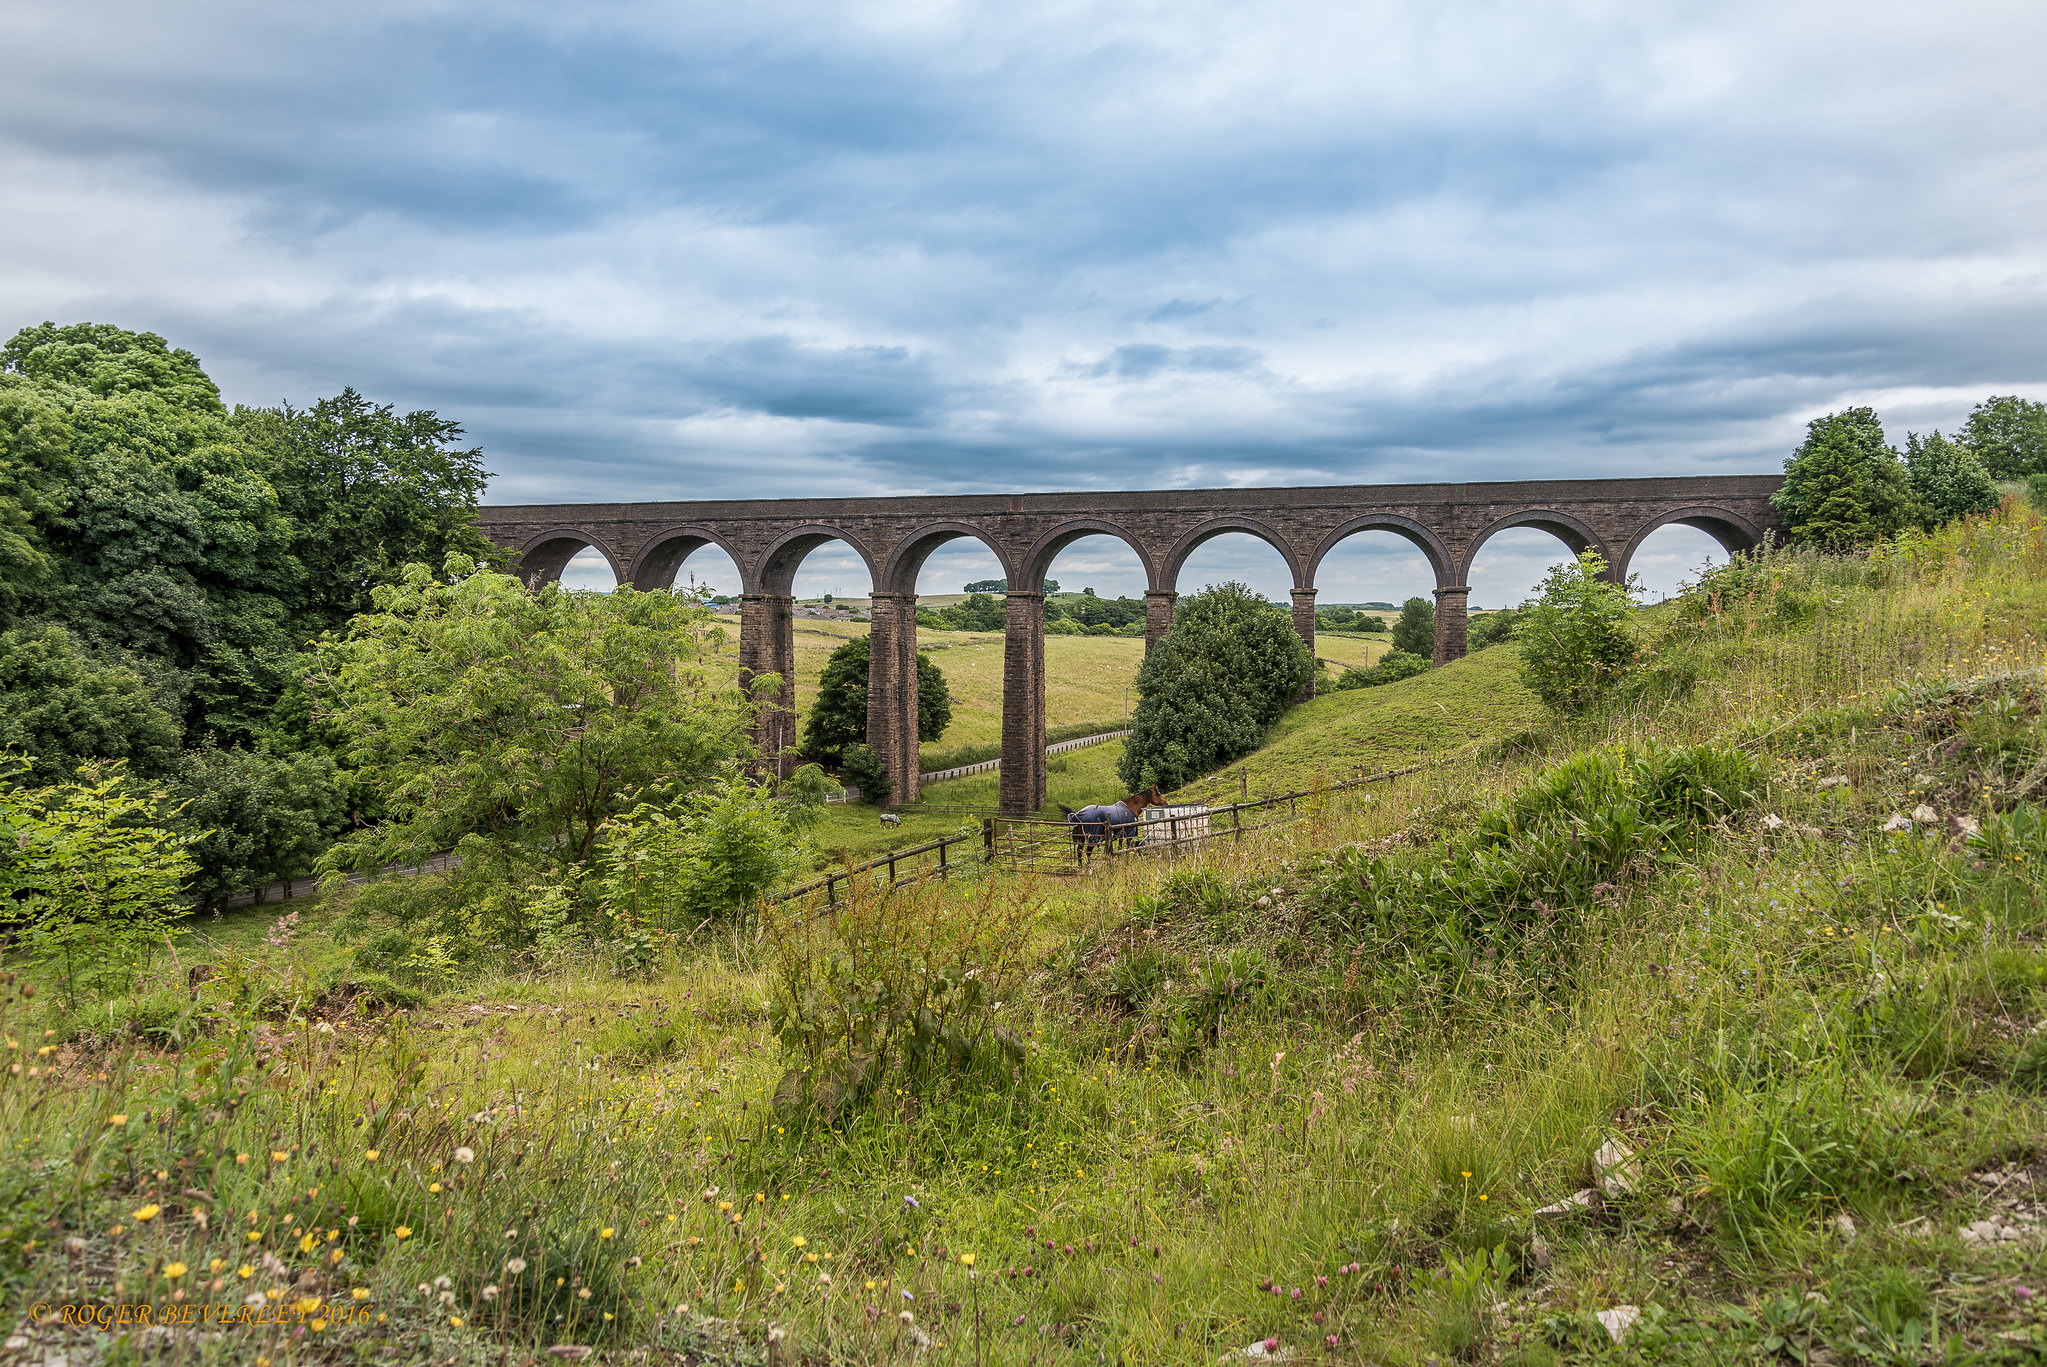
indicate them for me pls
(865, 771)
(898, 986)
(1577, 639)
(1390, 668)
(1415, 632)
(1491, 628)
(1947, 480)
(1231, 665)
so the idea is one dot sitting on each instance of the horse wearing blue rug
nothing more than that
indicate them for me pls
(1108, 824)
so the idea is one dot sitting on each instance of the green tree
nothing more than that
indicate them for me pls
(109, 362)
(88, 868)
(839, 716)
(67, 708)
(510, 727)
(2009, 435)
(253, 818)
(1577, 638)
(1390, 668)
(1415, 632)
(1491, 628)
(1206, 695)
(1844, 486)
(367, 491)
(1947, 479)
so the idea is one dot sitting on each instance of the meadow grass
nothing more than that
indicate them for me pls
(1821, 1043)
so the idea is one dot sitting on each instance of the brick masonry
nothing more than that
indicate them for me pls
(646, 543)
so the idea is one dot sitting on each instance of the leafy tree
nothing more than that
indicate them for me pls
(1415, 632)
(110, 362)
(252, 818)
(1577, 638)
(2009, 435)
(1391, 668)
(1947, 479)
(2036, 491)
(35, 469)
(510, 727)
(839, 716)
(368, 491)
(88, 869)
(67, 708)
(1232, 664)
(1844, 486)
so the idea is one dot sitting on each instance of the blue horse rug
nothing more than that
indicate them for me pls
(1099, 824)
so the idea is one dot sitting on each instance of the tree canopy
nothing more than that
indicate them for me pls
(2009, 435)
(1415, 631)
(1231, 665)
(838, 719)
(1844, 486)
(1948, 481)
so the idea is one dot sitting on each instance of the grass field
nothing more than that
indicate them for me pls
(1751, 1070)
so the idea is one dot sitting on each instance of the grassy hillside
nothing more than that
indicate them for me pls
(1718, 1017)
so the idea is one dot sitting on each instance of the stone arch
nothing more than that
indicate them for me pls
(899, 572)
(775, 571)
(1038, 560)
(1223, 526)
(543, 558)
(1734, 532)
(658, 561)
(1565, 528)
(1420, 536)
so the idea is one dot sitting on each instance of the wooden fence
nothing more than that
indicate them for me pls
(1031, 844)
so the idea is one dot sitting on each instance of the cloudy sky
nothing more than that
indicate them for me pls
(655, 251)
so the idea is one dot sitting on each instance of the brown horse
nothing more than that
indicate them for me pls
(1109, 824)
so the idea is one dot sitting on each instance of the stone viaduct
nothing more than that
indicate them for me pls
(767, 539)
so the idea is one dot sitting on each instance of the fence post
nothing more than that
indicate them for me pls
(892, 871)
(831, 890)
(944, 873)
(987, 839)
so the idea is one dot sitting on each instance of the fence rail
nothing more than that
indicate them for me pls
(1059, 747)
(1036, 845)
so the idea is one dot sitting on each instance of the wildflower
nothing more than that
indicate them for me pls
(149, 1212)
(173, 1271)
(245, 1272)
(370, 1154)
(360, 1294)
(465, 1155)
(606, 1232)
(117, 1120)
(911, 1202)
(403, 1231)
(455, 1320)
(490, 1293)
(907, 1318)
(433, 1187)
(242, 1160)
(906, 1294)
(799, 1241)
(279, 1155)
(967, 1259)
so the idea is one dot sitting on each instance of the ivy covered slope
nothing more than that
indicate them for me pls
(1700, 1024)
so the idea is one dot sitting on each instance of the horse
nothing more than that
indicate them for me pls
(1110, 824)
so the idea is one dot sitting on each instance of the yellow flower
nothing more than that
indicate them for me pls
(245, 1272)
(433, 1186)
(455, 1320)
(403, 1231)
(799, 1241)
(967, 1259)
(279, 1155)
(605, 1233)
(173, 1271)
(306, 1242)
(370, 1154)
(318, 1325)
(242, 1159)
(149, 1212)
(360, 1294)
(255, 1236)
(117, 1120)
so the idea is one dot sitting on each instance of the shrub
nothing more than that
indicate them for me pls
(1947, 479)
(1491, 628)
(864, 769)
(1389, 668)
(1232, 664)
(903, 984)
(1577, 638)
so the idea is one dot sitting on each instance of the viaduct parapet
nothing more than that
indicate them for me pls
(767, 539)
